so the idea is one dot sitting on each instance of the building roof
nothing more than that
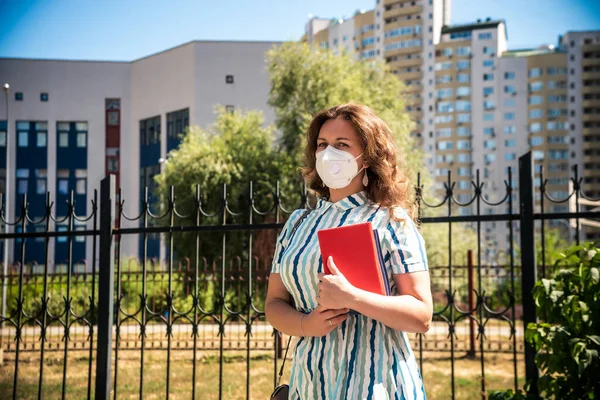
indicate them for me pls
(488, 23)
(531, 52)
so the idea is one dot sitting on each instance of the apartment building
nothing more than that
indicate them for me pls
(77, 121)
(477, 106)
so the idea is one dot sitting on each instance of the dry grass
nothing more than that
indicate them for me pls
(436, 373)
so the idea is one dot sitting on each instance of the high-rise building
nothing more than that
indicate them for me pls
(478, 106)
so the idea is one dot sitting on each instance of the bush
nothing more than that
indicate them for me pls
(567, 337)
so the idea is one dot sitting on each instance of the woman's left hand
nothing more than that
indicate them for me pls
(334, 289)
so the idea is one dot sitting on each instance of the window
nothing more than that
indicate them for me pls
(177, 123)
(556, 98)
(488, 77)
(535, 127)
(443, 132)
(490, 158)
(510, 156)
(229, 108)
(536, 141)
(509, 116)
(463, 105)
(463, 131)
(443, 79)
(18, 96)
(463, 78)
(463, 51)
(365, 42)
(488, 117)
(40, 181)
(463, 184)
(557, 112)
(488, 131)
(22, 178)
(463, 64)
(535, 72)
(510, 129)
(81, 139)
(510, 89)
(445, 106)
(44, 97)
(444, 118)
(556, 126)
(441, 66)
(463, 117)
(484, 36)
(463, 91)
(112, 165)
(488, 50)
(150, 131)
(509, 102)
(2, 138)
(460, 35)
(558, 140)
(63, 139)
(536, 86)
(228, 78)
(510, 143)
(558, 154)
(444, 93)
(556, 71)
(509, 76)
(62, 176)
(403, 44)
(405, 31)
(462, 157)
(488, 105)
(535, 100)
(80, 181)
(444, 145)
(487, 91)
(463, 144)
(23, 139)
(536, 113)
(489, 144)
(538, 155)
(41, 139)
(488, 63)
(464, 171)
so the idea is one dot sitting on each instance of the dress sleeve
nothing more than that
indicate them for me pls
(403, 245)
(282, 240)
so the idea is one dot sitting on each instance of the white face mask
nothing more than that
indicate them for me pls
(336, 168)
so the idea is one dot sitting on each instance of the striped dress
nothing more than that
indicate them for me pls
(362, 358)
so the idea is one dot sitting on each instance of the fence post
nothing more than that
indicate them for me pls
(471, 288)
(106, 283)
(528, 261)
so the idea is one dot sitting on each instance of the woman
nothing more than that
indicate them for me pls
(352, 165)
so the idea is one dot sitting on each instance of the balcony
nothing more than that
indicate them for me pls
(406, 50)
(590, 89)
(402, 11)
(413, 62)
(591, 61)
(591, 103)
(406, 76)
(591, 74)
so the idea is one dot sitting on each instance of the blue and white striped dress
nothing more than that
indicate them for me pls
(362, 358)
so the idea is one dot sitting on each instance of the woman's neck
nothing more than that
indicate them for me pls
(336, 195)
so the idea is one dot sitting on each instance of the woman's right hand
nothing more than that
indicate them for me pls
(322, 321)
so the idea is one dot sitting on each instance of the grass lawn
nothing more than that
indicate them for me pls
(436, 373)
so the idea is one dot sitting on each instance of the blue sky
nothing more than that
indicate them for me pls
(130, 29)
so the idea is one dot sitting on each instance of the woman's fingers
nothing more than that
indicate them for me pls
(335, 313)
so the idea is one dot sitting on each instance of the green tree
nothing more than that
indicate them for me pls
(236, 151)
(306, 80)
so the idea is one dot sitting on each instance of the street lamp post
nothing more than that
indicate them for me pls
(7, 214)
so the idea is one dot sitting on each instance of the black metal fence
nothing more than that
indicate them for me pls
(199, 308)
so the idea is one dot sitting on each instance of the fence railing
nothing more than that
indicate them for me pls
(201, 304)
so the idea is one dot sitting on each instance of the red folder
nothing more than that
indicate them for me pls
(357, 254)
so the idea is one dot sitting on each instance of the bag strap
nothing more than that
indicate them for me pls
(296, 225)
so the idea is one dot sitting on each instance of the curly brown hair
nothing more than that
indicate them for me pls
(389, 184)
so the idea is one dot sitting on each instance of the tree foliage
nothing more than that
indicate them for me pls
(236, 151)
(306, 80)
